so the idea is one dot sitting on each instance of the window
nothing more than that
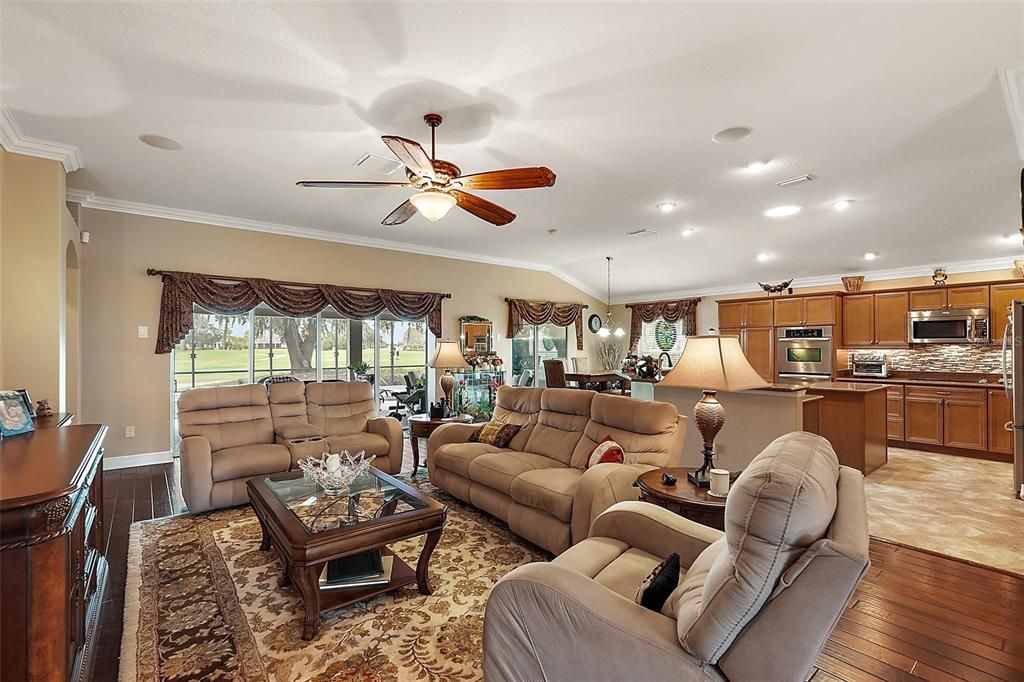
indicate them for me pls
(283, 345)
(215, 352)
(660, 337)
(535, 344)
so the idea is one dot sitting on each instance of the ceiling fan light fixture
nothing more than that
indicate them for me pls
(433, 204)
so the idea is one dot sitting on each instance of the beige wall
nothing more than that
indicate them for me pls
(125, 383)
(34, 236)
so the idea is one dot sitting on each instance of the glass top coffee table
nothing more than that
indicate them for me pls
(308, 528)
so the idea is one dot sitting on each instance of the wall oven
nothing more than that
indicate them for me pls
(804, 354)
(951, 325)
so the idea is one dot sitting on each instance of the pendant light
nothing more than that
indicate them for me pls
(609, 327)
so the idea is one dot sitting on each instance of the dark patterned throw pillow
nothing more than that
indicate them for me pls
(498, 434)
(657, 587)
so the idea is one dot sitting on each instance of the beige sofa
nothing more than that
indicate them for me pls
(539, 485)
(233, 433)
(755, 603)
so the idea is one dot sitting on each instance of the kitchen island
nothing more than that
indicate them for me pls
(852, 416)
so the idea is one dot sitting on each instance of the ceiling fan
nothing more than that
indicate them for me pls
(441, 183)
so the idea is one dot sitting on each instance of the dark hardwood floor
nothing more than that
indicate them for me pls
(915, 616)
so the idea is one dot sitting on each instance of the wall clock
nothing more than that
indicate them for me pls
(594, 323)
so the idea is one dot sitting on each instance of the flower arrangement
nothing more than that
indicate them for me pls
(333, 472)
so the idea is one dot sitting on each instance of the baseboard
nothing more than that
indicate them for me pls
(139, 460)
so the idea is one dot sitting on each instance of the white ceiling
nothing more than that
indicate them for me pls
(897, 105)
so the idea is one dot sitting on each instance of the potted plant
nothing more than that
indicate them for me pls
(359, 368)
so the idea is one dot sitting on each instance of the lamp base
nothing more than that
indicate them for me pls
(709, 415)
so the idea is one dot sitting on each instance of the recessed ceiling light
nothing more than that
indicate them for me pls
(783, 211)
(731, 135)
(161, 142)
(667, 206)
(756, 166)
(870, 255)
(687, 231)
(764, 256)
(842, 204)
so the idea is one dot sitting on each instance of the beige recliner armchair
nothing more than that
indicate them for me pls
(346, 414)
(755, 603)
(227, 438)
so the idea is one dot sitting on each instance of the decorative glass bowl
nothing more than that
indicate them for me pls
(334, 473)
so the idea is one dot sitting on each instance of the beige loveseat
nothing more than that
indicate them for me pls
(540, 485)
(233, 433)
(755, 603)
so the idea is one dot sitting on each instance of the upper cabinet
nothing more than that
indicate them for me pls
(875, 319)
(1002, 296)
(937, 298)
(806, 310)
(741, 314)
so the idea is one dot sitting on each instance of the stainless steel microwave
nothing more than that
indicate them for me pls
(950, 325)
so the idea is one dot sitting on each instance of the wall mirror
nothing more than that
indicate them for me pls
(477, 335)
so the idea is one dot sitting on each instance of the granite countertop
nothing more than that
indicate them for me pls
(845, 386)
(956, 379)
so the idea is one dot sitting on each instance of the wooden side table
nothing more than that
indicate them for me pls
(683, 498)
(422, 425)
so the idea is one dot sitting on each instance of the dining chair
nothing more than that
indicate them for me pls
(554, 373)
(581, 363)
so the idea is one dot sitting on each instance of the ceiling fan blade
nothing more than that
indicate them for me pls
(483, 209)
(343, 184)
(411, 154)
(510, 178)
(404, 211)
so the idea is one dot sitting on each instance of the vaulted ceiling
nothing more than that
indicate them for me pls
(897, 106)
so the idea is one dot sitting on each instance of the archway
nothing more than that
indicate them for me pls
(72, 331)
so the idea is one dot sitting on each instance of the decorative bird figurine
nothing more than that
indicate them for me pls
(776, 288)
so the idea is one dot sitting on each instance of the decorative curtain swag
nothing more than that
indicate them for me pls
(227, 295)
(522, 312)
(670, 311)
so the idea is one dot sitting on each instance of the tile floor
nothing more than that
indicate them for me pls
(959, 506)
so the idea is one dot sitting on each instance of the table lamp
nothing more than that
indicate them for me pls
(448, 356)
(711, 364)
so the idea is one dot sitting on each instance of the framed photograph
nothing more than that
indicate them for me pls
(14, 416)
(28, 402)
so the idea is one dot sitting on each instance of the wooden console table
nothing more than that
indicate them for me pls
(51, 551)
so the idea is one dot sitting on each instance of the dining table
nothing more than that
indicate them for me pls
(601, 377)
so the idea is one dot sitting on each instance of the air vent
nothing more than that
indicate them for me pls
(378, 164)
(795, 181)
(646, 232)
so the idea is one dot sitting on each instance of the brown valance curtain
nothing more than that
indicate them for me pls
(228, 295)
(522, 312)
(670, 311)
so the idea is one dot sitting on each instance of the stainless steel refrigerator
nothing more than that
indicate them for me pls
(1013, 380)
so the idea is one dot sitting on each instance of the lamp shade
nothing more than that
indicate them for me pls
(448, 355)
(713, 363)
(433, 204)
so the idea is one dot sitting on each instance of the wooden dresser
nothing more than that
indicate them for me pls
(51, 552)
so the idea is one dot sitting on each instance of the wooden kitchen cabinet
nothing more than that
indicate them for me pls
(805, 310)
(934, 298)
(740, 314)
(891, 318)
(859, 320)
(758, 346)
(894, 412)
(1000, 411)
(923, 416)
(1001, 297)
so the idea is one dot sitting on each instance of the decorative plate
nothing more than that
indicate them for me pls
(594, 323)
(665, 335)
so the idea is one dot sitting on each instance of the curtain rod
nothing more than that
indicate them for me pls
(152, 272)
(509, 300)
(671, 300)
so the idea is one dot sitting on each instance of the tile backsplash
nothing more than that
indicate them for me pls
(946, 358)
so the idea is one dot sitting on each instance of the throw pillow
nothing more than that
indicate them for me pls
(606, 451)
(498, 434)
(657, 587)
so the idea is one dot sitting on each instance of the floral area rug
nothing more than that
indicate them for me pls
(202, 602)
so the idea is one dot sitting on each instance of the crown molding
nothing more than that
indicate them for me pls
(90, 200)
(1012, 79)
(16, 142)
(980, 265)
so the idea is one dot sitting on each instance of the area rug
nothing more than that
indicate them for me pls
(202, 602)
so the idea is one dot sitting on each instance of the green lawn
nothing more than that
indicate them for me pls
(232, 365)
